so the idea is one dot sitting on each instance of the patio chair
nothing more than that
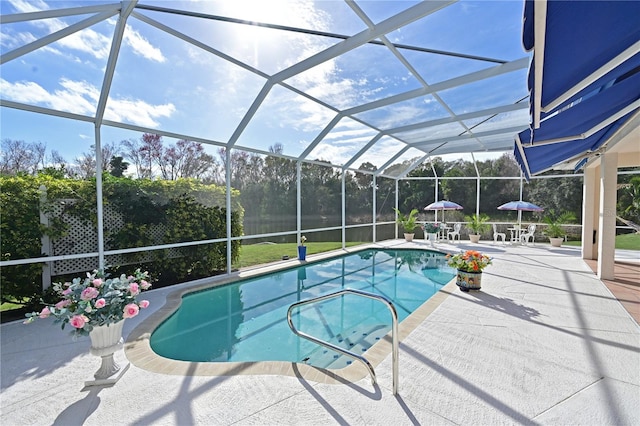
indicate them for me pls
(528, 234)
(451, 235)
(497, 235)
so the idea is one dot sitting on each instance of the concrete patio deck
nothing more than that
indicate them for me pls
(544, 342)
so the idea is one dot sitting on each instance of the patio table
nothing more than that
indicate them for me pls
(515, 233)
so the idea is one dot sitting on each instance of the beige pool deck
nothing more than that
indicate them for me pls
(545, 342)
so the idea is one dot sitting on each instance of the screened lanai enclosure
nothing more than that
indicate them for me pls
(173, 134)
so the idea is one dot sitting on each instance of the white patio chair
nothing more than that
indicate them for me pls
(528, 234)
(451, 235)
(497, 235)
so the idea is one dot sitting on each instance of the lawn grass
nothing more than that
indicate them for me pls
(257, 254)
(623, 242)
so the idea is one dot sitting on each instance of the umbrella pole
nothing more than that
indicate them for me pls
(519, 218)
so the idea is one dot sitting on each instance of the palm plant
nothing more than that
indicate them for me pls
(554, 223)
(477, 223)
(408, 222)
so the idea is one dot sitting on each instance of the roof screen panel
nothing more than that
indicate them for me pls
(343, 142)
(404, 162)
(432, 133)
(195, 92)
(457, 146)
(378, 11)
(264, 49)
(411, 111)
(364, 74)
(72, 78)
(288, 119)
(499, 90)
(333, 16)
(480, 28)
(500, 121)
(499, 142)
(435, 68)
(384, 149)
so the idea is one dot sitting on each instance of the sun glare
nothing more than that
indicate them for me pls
(264, 45)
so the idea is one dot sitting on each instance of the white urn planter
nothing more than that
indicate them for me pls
(432, 238)
(556, 242)
(105, 341)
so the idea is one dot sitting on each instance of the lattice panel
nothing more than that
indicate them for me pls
(83, 238)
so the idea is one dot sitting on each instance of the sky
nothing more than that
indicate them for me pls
(205, 90)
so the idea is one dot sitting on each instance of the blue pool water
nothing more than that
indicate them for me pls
(246, 320)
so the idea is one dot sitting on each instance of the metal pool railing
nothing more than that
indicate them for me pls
(363, 360)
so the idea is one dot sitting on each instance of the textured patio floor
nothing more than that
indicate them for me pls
(544, 342)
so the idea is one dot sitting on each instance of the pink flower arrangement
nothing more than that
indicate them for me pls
(96, 300)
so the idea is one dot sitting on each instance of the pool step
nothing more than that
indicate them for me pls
(357, 340)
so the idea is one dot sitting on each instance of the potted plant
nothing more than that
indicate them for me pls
(554, 229)
(469, 265)
(477, 224)
(302, 249)
(97, 306)
(408, 223)
(431, 231)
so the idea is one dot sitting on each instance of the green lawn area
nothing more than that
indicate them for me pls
(623, 242)
(257, 254)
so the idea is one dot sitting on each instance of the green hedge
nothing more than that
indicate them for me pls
(187, 210)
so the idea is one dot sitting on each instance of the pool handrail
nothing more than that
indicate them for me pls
(394, 330)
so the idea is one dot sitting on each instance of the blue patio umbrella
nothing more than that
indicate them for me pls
(444, 205)
(520, 206)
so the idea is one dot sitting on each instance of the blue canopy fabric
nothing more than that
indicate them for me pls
(590, 55)
(444, 205)
(537, 159)
(580, 37)
(521, 205)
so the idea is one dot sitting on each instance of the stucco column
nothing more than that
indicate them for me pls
(590, 208)
(607, 215)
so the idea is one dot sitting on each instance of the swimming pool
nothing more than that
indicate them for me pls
(246, 321)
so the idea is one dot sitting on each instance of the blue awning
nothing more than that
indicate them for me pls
(584, 79)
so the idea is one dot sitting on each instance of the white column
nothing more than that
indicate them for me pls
(607, 215)
(590, 208)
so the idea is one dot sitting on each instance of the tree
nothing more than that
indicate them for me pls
(629, 198)
(279, 176)
(559, 194)
(20, 156)
(118, 166)
(131, 149)
(85, 165)
(186, 159)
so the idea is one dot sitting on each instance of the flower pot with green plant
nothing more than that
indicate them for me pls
(554, 229)
(408, 223)
(431, 232)
(477, 223)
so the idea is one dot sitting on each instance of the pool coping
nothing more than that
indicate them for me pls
(138, 350)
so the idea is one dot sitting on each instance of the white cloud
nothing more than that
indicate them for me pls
(141, 46)
(137, 112)
(88, 40)
(80, 97)
(24, 6)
